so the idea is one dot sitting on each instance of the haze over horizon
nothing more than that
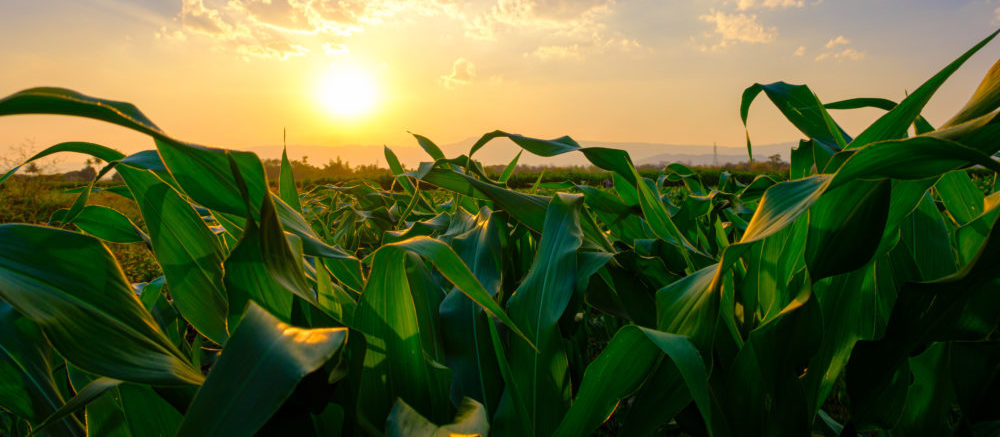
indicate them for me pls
(235, 73)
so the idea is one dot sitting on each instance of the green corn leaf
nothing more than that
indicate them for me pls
(452, 268)
(623, 365)
(660, 222)
(95, 150)
(782, 204)
(84, 396)
(334, 300)
(465, 334)
(103, 413)
(921, 124)
(508, 171)
(186, 249)
(398, 362)
(768, 367)
(924, 312)
(893, 124)
(265, 357)
(845, 227)
(963, 200)
(984, 100)
(614, 160)
(248, 278)
(930, 398)
(689, 306)
(470, 420)
(801, 107)
(539, 302)
(429, 147)
(924, 234)
(908, 159)
(27, 388)
(146, 412)
(970, 237)
(105, 223)
(286, 183)
(86, 309)
(397, 170)
(855, 306)
(206, 175)
(203, 172)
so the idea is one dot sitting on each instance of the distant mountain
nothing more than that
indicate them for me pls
(726, 155)
(501, 151)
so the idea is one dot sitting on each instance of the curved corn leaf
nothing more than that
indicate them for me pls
(84, 396)
(146, 412)
(27, 388)
(984, 100)
(398, 361)
(286, 183)
(475, 372)
(802, 108)
(451, 267)
(187, 250)
(265, 357)
(470, 420)
(96, 150)
(104, 223)
(86, 309)
(623, 365)
(893, 124)
(924, 311)
(542, 375)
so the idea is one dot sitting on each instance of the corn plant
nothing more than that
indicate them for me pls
(858, 296)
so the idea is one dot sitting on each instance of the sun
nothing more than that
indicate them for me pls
(348, 92)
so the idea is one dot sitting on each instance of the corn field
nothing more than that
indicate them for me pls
(859, 297)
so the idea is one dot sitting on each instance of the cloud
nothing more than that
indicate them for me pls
(744, 5)
(560, 17)
(198, 18)
(279, 28)
(801, 51)
(546, 53)
(838, 41)
(580, 51)
(463, 71)
(847, 54)
(285, 28)
(737, 28)
(836, 53)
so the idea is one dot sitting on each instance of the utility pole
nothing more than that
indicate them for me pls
(715, 154)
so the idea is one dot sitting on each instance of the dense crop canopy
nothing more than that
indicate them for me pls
(860, 294)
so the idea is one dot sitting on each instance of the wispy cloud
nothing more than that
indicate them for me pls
(839, 49)
(744, 5)
(581, 50)
(463, 71)
(847, 54)
(285, 28)
(546, 53)
(737, 28)
(838, 41)
(560, 16)
(276, 28)
(801, 51)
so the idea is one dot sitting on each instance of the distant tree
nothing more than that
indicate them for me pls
(775, 160)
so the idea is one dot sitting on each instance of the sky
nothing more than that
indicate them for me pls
(239, 73)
